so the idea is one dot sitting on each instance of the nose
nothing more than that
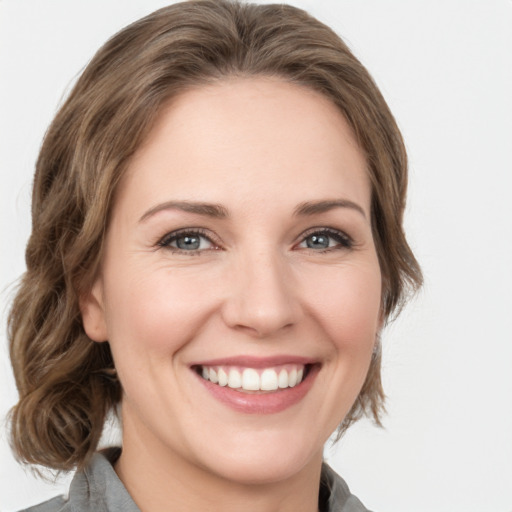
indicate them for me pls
(262, 299)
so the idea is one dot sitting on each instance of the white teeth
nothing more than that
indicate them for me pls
(282, 380)
(213, 376)
(234, 379)
(249, 379)
(269, 380)
(223, 377)
(292, 377)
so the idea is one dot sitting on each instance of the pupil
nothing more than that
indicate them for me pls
(318, 241)
(188, 242)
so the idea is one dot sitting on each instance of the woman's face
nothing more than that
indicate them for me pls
(240, 253)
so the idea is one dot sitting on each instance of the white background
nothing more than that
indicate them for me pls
(445, 68)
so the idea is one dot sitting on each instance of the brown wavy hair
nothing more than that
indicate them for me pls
(64, 379)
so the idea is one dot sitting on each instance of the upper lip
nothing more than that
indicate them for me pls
(256, 362)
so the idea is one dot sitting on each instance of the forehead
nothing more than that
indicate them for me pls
(248, 138)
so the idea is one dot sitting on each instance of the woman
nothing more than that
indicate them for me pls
(217, 243)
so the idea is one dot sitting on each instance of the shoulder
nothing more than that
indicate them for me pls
(336, 495)
(57, 504)
(96, 488)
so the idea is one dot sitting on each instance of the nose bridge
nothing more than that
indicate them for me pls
(262, 299)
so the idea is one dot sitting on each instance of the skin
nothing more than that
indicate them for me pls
(258, 147)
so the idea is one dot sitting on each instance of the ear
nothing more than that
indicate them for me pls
(92, 309)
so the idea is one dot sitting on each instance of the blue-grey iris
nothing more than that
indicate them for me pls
(318, 242)
(188, 242)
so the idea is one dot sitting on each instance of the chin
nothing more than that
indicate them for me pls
(262, 457)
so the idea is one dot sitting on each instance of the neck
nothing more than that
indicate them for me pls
(159, 480)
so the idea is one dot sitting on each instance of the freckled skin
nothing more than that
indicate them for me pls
(258, 147)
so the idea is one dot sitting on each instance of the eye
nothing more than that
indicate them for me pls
(191, 241)
(323, 240)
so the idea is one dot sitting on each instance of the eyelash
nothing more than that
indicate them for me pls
(342, 239)
(193, 232)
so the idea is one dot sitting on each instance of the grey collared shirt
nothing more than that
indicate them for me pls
(98, 489)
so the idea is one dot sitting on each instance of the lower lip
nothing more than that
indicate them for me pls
(261, 403)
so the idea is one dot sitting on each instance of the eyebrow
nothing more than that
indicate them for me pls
(314, 207)
(218, 211)
(207, 209)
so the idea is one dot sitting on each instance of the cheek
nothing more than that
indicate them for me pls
(153, 311)
(347, 300)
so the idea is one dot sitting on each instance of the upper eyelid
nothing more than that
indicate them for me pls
(325, 229)
(315, 229)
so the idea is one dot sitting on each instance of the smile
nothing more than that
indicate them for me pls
(258, 385)
(252, 379)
